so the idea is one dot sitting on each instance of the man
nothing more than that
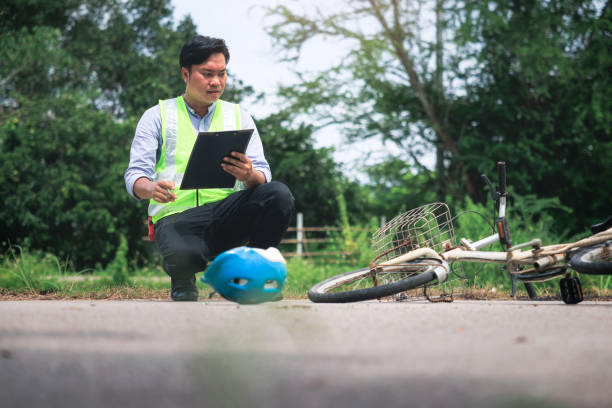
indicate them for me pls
(255, 212)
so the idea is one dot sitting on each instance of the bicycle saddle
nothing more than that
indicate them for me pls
(602, 226)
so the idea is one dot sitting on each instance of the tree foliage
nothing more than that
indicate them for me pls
(526, 82)
(394, 188)
(58, 180)
(311, 173)
(387, 84)
(73, 81)
(540, 100)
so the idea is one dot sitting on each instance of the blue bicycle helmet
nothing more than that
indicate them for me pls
(247, 275)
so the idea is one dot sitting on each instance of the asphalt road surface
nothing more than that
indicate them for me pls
(301, 354)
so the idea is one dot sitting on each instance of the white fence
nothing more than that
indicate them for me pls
(301, 240)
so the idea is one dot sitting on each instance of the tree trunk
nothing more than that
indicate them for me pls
(396, 36)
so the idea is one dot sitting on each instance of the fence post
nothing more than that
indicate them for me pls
(383, 220)
(299, 233)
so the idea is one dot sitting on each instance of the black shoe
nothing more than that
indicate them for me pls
(184, 288)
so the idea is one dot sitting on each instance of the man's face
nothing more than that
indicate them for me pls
(206, 81)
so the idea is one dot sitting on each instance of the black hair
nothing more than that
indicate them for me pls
(198, 48)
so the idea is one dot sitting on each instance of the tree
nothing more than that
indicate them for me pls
(73, 81)
(390, 83)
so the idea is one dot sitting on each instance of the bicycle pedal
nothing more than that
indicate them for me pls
(571, 290)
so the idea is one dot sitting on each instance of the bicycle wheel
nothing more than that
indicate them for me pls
(365, 283)
(595, 260)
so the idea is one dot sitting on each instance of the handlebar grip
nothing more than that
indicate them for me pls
(501, 171)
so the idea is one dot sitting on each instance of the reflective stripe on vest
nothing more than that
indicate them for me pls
(178, 138)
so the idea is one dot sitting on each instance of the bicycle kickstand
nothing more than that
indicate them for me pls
(513, 285)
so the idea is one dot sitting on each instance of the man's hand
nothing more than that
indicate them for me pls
(241, 167)
(238, 165)
(159, 191)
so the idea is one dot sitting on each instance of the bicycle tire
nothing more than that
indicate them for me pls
(541, 276)
(321, 292)
(594, 260)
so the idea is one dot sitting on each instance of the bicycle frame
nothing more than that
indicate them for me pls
(540, 257)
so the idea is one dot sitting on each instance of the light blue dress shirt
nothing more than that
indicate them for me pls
(147, 144)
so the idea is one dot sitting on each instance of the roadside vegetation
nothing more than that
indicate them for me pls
(28, 273)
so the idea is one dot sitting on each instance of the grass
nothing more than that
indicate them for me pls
(31, 275)
(23, 271)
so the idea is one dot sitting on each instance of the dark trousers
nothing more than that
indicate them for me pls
(257, 217)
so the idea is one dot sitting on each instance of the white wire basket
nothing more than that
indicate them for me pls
(428, 226)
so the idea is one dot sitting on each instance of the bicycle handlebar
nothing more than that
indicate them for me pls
(501, 172)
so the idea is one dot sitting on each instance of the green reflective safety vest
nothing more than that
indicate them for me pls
(178, 138)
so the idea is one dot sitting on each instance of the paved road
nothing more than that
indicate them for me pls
(300, 354)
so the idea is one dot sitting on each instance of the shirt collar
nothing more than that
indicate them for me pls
(192, 112)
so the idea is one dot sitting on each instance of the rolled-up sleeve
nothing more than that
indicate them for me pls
(255, 150)
(145, 150)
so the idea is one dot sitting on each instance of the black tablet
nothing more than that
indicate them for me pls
(204, 165)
